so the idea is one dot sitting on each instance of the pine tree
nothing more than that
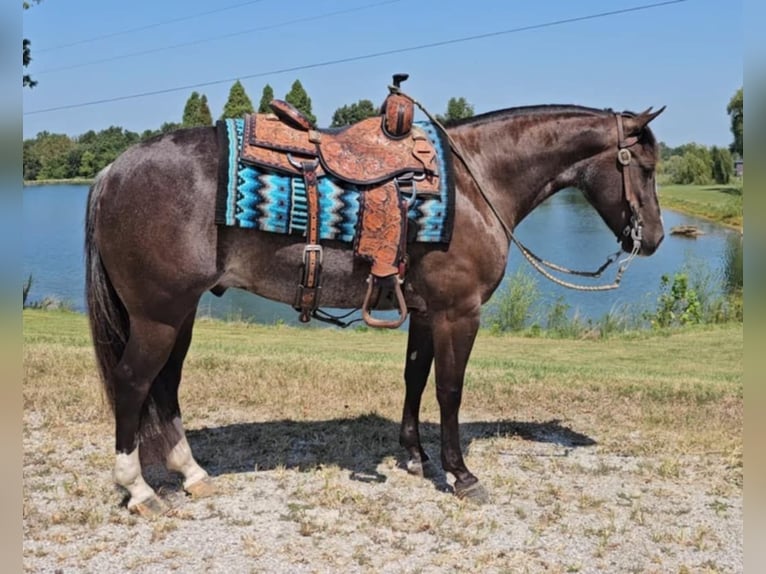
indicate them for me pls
(266, 97)
(238, 104)
(298, 97)
(191, 111)
(204, 117)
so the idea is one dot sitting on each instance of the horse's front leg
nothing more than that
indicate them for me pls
(453, 334)
(420, 354)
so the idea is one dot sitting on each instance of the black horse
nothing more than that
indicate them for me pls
(153, 250)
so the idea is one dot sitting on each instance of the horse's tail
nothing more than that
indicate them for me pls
(106, 313)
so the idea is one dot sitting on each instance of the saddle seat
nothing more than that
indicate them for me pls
(362, 154)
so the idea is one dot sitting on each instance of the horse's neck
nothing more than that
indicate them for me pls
(521, 161)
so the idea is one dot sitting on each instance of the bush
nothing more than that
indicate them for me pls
(678, 304)
(694, 296)
(511, 306)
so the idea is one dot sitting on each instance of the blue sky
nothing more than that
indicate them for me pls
(687, 56)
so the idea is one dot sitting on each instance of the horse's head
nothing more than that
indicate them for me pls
(623, 188)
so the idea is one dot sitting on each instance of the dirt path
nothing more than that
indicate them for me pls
(560, 503)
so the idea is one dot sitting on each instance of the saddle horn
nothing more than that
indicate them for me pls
(398, 79)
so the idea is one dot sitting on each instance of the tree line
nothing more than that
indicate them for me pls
(693, 163)
(50, 156)
(59, 156)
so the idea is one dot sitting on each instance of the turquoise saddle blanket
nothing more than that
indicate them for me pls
(253, 198)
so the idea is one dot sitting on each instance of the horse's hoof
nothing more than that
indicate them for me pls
(475, 493)
(151, 507)
(203, 488)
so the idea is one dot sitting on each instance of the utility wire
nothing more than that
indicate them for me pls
(220, 37)
(148, 26)
(358, 58)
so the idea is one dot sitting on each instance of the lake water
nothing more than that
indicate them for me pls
(565, 230)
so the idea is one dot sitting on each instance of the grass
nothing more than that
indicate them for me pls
(299, 426)
(719, 203)
(649, 382)
(71, 181)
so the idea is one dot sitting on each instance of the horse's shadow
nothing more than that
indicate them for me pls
(357, 444)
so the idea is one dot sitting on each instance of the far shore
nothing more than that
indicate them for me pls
(75, 181)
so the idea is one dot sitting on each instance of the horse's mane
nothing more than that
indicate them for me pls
(543, 110)
(520, 111)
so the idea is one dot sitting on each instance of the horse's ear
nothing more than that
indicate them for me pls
(634, 125)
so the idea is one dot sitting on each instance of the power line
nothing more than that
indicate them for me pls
(362, 57)
(148, 26)
(220, 37)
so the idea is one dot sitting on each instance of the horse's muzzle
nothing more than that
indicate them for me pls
(649, 244)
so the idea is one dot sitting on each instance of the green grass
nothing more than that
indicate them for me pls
(719, 203)
(652, 383)
(72, 181)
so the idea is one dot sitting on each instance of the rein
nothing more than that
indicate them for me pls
(624, 157)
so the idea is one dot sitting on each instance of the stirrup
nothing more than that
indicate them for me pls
(372, 321)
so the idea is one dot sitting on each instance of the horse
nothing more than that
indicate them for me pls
(152, 250)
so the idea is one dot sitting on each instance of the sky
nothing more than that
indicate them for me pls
(686, 55)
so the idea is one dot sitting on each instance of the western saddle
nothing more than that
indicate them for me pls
(387, 158)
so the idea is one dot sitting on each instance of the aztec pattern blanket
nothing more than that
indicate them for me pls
(254, 199)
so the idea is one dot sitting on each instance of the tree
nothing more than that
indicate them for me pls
(737, 116)
(353, 113)
(88, 166)
(26, 52)
(457, 109)
(298, 97)
(191, 111)
(691, 164)
(169, 127)
(266, 97)
(238, 105)
(204, 117)
(52, 150)
(723, 164)
(196, 111)
(31, 162)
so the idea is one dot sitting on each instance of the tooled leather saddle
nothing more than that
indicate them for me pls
(387, 157)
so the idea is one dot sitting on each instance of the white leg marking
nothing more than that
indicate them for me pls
(180, 459)
(413, 355)
(127, 473)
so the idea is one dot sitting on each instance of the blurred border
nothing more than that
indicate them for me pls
(10, 273)
(755, 329)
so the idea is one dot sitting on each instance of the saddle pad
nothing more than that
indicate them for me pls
(254, 198)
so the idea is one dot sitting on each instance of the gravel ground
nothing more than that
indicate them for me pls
(560, 502)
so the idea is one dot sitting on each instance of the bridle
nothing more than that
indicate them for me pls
(625, 158)
(634, 229)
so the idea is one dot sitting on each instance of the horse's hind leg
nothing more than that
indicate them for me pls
(164, 393)
(420, 353)
(146, 352)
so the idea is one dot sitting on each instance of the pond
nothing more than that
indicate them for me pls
(565, 230)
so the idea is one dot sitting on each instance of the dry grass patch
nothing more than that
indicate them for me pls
(597, 453)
